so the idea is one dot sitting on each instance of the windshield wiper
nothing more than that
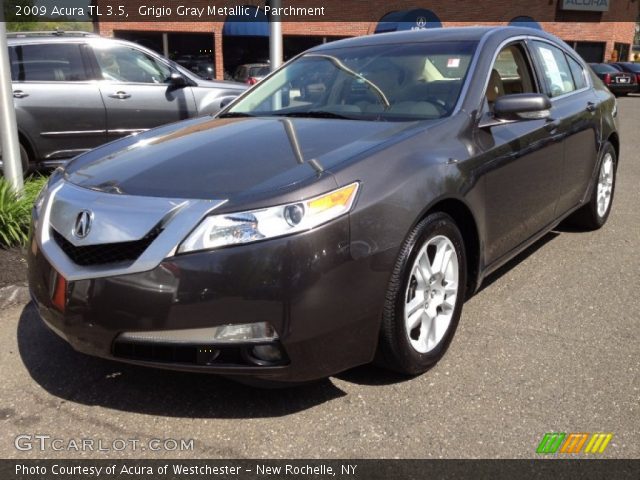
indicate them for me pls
(344, 68)
(235, 115)
(315, 114)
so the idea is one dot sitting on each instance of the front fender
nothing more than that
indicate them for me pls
(210, 101)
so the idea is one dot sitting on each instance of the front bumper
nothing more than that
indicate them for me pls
(324, 305)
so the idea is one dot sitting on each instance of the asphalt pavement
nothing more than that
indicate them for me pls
(550, 344)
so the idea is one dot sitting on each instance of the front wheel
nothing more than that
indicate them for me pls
(425, 296)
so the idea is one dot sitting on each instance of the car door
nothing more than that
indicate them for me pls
(137, 91)
(522, 159)
(58, 104)
(574, 112)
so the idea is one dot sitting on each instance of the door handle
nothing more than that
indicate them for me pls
(19, 94)
(120, 95)
(552, 126)
(591, 107)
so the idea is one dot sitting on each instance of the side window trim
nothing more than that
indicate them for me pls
(528, 57)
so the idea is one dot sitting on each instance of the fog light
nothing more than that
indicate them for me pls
(243, 332)
(267, 353)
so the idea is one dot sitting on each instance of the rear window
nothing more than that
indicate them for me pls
(603, 68)
(47, 63)
(633, 67)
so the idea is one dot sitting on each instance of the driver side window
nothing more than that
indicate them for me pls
(126, 64)
(511, 73)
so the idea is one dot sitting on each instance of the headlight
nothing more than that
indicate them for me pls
(55, 176)
(245, 227)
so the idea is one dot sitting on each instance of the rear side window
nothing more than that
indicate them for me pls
(47, 63)
(555, 69)
(578, 73)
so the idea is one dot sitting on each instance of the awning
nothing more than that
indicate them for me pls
(416, 19)
(525, 21)
(249, 25)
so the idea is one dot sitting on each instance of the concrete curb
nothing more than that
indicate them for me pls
(14, 295)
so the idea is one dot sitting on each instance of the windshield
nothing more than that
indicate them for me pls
(401, 82)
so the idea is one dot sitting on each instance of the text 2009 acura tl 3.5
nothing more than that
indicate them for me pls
(339, 211)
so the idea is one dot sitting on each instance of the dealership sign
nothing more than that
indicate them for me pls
(588, 5)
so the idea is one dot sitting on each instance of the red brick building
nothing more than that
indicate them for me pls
(600, 30)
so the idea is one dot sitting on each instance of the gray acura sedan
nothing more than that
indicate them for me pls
(338, 212)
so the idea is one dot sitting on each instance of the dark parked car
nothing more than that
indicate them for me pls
(203, 68)
(372, 208)
(620, 83)
(251, 73)
(75, 91)
(629, 67)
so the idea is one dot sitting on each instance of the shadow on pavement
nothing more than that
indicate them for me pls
(521, 257)
(79, 378)
(373, 376)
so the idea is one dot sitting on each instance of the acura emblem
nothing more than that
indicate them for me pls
(421, 22)
(83, 224)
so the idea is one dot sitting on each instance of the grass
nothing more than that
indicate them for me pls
(15, 211)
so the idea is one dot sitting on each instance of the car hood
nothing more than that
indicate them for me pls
(223, 84)
(222, 158)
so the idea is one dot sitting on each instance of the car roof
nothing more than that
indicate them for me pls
(49, 38)
(447, 34)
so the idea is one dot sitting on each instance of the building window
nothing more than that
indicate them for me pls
(620, 52)
(591, 52)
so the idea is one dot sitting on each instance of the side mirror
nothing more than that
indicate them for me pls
(285, 95)
(226, 101)
(177, 81)
(522, 106)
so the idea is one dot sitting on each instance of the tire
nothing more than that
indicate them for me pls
(594, 214)
(412, 352)
(24, 158)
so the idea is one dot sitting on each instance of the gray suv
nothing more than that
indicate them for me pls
(75, 91)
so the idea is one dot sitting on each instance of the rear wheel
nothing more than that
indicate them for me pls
(596, 212)
(24, 158)
(425, 296)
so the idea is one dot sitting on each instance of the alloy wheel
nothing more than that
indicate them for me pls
(431, 293)
(605, 185)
